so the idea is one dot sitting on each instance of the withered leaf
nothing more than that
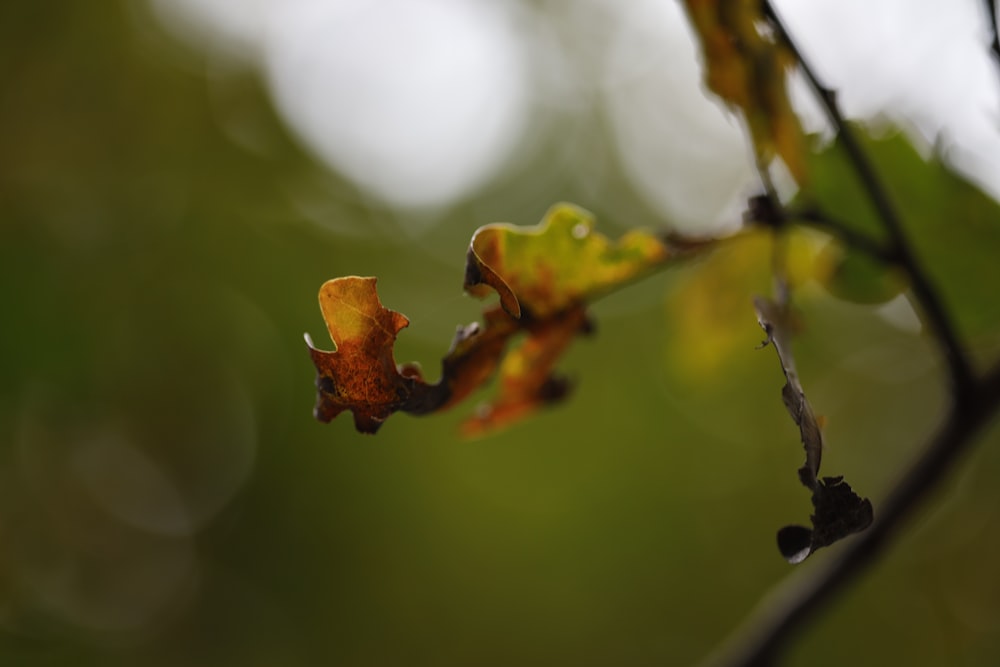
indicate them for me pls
(746, 67)
(361, 374)
(475, 353)
(545, 275)
(527, 381)
(838, 510)
(774, 321)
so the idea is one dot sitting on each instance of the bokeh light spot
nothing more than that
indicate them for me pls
(418, 103)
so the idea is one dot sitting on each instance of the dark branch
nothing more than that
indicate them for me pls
(766, 209)
(847, 235)
(936, 318)
(991, 16)
(794, 605)
(974, 402)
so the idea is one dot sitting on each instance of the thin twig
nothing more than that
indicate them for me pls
(938, 322)
(974, 402)
(991, 16)
(793, 605)
(847, 235)
(766, 209)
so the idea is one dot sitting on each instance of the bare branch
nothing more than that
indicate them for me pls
(991, 17)
(934, 313)
(794, 604)
(847, 235)
(975, 401)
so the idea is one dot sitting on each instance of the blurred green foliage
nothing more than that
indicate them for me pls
(167, 499)
(953, 223)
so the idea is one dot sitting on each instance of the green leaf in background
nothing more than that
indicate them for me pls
(954, 226)
(711, 309)
(852, 275)
(834, 189)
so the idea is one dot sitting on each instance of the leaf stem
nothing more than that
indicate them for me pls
(962, 376)
(849, 236)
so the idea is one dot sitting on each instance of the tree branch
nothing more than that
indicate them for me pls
(933, 309)
(848, 236)
(974, 402)
(991, 16)
(790, 607)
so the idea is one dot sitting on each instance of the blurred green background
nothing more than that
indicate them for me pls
(166, 497)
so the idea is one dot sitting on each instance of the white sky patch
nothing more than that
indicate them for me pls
(683, 151)
(421, 103)
(923, 63)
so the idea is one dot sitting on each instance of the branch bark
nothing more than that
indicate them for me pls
(933, 310)
(991, 16)
(847, 235)
(794, 604)
(975, 401)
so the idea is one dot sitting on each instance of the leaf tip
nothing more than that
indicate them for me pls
(478, 274)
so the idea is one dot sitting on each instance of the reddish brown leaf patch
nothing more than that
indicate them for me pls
(361, 374)
(545, 275)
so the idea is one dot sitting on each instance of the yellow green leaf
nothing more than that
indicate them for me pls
(557, 263)
(545, 276)
(856, 276)
(710, 311)
(710, 308)
(953, 224)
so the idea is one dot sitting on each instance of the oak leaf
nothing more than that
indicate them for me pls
(527, 380)
(545, 276)
(557, 264)
(361, 374)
